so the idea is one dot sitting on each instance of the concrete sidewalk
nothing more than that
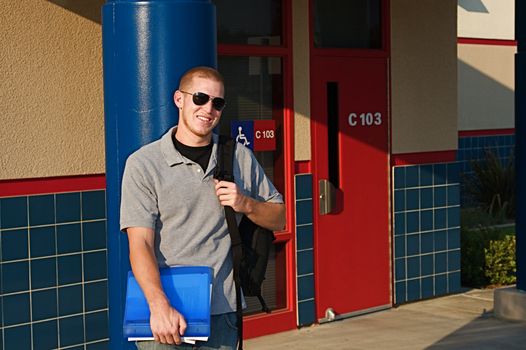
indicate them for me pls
(461, 321)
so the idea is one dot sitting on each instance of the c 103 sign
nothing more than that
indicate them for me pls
(258, 135)
(365, 119)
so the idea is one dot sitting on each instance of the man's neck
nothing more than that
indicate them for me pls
(189, 139)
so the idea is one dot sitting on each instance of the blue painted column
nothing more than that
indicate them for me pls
(147, 46)
(520, 139)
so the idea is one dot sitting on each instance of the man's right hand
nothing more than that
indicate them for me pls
(167, 324)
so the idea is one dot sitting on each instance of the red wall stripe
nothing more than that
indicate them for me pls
(496, 42)
(492, 132)
(25, 187)
(302, 167)
(423, 158)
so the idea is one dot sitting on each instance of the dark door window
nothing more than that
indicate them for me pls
(254, 91)
(254, 22)
(349, 24)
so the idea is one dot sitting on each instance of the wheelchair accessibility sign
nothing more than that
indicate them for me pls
(258, 135)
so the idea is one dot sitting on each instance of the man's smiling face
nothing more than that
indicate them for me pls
(196, 123)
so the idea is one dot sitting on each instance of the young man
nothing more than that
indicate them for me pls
(172, 210)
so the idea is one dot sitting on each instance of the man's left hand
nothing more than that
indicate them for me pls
(265, 214)
(230, 195)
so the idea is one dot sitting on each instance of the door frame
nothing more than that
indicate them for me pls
(383, 52)
(283, 319)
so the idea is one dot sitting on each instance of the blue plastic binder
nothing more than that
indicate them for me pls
(189, 290)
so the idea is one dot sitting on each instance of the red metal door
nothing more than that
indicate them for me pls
(350, 161)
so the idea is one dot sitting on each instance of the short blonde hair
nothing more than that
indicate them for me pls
(201, 72)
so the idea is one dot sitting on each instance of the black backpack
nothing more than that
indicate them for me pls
(250, 243)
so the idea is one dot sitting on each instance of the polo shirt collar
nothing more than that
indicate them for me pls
(172, 155)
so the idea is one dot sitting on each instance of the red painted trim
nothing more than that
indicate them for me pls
(303, 167)
(279, 320)
(389, 150)
(264, 324)
(423, 158)
(495, 42)
(490, 132)
(25, 187)
(285, 319)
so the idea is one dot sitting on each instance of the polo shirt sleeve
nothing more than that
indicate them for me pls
(255, 181)
(138, 199)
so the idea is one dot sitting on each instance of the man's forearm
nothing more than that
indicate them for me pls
(166, 323)
(266, 214)
(145, 270)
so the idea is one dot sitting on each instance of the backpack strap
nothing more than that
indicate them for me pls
(225, 171)
(225, 159)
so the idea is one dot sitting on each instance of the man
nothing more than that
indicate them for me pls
(172, 210)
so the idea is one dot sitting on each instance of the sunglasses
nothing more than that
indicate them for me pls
(200, 99)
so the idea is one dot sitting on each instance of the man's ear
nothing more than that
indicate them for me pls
(178, 99)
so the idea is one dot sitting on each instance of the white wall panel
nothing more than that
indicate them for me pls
(423, 76)
(486, 87)
(486, 19)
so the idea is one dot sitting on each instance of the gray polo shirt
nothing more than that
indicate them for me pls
(164, 191)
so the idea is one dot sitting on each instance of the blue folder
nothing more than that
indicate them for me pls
(189, 290)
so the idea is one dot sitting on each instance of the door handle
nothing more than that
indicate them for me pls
(327, 198)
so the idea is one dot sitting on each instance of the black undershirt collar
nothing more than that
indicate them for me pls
(200, 155)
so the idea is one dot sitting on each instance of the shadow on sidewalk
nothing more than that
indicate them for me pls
(485, 332)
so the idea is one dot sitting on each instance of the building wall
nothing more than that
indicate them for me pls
(51, 91)
(53, 266)
(425, 197)
(486, 86)
(301, 80)
(486, 82)
(306, 301)
(488, 19)
(426, 204)
(54, 72)
(423, 75)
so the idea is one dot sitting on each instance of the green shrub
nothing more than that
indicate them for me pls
(501, 267)
(492, 186)
(476, 217)
(472, 258)
(474, 263)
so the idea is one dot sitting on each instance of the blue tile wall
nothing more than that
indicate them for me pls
(43, 273)
(306, 312)
(304, 250)
(426, 238)
(41, 210)
(71, 330)
(104, 345)
(15, 244)
(70, 300)
(53, 271)
(45, 334)
(67, 207)
(18, 337)
(473, 148)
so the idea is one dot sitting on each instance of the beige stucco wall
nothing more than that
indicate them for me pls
(423, 75)
(486, 87)
(487, 19)
(301, 73)
(50, 92)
